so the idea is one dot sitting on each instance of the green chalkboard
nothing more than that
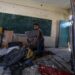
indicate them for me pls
(20, 24)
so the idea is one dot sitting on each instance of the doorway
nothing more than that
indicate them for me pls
(63, 34)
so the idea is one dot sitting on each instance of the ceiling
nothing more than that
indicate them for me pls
(41, 3)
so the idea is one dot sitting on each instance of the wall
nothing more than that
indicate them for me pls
(53, 14)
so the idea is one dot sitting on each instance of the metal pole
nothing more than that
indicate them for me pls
(73, 34)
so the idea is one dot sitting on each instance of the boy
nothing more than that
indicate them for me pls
(39, 39)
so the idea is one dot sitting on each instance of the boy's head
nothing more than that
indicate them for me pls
(36, 26)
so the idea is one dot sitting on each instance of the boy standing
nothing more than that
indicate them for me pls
(39, 39)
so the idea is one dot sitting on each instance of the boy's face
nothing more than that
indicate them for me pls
(36, 27)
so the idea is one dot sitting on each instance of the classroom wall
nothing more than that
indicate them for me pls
(53, 14)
